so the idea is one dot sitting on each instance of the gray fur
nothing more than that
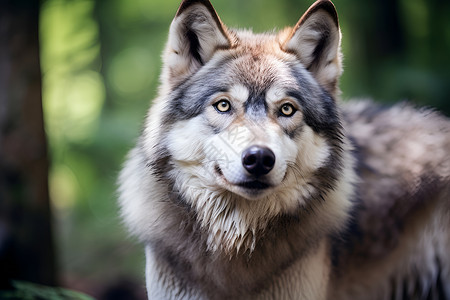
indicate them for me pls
(358, 204)
(401, 231)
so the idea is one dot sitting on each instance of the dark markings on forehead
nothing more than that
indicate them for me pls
(256, 104)
(257, 73)
(303, 78)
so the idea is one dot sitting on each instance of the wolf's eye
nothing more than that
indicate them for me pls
(287, 110)
(223, 106)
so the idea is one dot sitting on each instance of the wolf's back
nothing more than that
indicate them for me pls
(399, 243)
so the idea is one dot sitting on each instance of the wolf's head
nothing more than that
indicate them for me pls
(246, 127)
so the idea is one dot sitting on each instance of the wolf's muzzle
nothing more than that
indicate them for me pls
(258, 160)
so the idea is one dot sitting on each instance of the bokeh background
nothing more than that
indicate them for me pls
(100, 63)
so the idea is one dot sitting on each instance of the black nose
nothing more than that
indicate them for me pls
(258, 160)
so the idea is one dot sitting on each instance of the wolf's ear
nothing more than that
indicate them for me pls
(316, 40)
(195, 34)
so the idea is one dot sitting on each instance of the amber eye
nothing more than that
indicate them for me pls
(223, 105)
(287, 110)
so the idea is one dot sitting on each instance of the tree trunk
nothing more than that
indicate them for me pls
(26, 245)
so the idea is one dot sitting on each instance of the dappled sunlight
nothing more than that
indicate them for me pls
(132, 71)
(63, 187)
(73, 105)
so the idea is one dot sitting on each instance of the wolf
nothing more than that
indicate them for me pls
(253, 180)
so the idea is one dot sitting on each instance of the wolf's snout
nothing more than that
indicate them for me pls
(258, 160)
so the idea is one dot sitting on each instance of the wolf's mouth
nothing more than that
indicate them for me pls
(254, 185)
(250, 184)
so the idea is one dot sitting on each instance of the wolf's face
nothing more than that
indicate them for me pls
(249, 127)
(243, 124)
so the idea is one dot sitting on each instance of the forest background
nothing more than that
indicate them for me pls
(94, 64)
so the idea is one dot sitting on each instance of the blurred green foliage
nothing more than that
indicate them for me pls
(31, 291)
(101, 61)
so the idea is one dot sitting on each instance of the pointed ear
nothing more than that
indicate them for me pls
(316, 41)
(195, 34)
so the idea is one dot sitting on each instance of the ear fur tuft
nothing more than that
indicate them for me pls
(195, 34)
(316, 40)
